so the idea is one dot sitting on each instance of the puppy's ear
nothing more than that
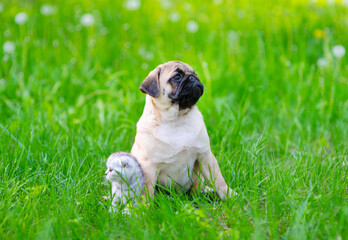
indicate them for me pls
(151, 83)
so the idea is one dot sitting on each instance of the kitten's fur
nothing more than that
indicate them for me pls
(126, 176)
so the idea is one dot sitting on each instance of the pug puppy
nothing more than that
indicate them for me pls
(172, 144)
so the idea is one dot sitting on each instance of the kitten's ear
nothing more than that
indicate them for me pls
(151, 83)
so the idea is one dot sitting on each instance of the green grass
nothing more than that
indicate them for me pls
(278, 123)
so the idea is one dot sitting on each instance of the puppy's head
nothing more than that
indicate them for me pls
(173, 83)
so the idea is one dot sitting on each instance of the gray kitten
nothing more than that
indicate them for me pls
(126, 177)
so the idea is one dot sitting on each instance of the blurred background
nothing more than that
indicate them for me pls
(78, 65)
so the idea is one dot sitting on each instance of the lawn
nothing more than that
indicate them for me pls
(275, 106)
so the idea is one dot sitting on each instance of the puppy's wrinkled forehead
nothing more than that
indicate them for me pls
(170, 68)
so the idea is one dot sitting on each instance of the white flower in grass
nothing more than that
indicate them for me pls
(322, 62)
(3, 83)
(9, 47)
(232, 36)
(187, 7)
(192, 26)
(166, 4)
(142, 51)
(1, 7)
(47, 9)
(149, 56)
(174, 16)
(26, 39)
(55, 43)
(338, 51)
(132, 5)
(217, 2)
(87, 20)
(21, 18)
(240, 14)
(345, 3)
(126, 26)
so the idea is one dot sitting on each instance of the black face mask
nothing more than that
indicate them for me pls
(189, 91)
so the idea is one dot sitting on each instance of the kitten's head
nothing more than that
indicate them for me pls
(120, 166)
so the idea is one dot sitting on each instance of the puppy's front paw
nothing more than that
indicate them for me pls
(227, 193)
(207, 190)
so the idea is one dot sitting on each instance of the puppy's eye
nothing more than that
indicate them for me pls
(110, 170)
(177, 77)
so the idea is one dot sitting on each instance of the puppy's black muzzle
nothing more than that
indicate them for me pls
(188, 92)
